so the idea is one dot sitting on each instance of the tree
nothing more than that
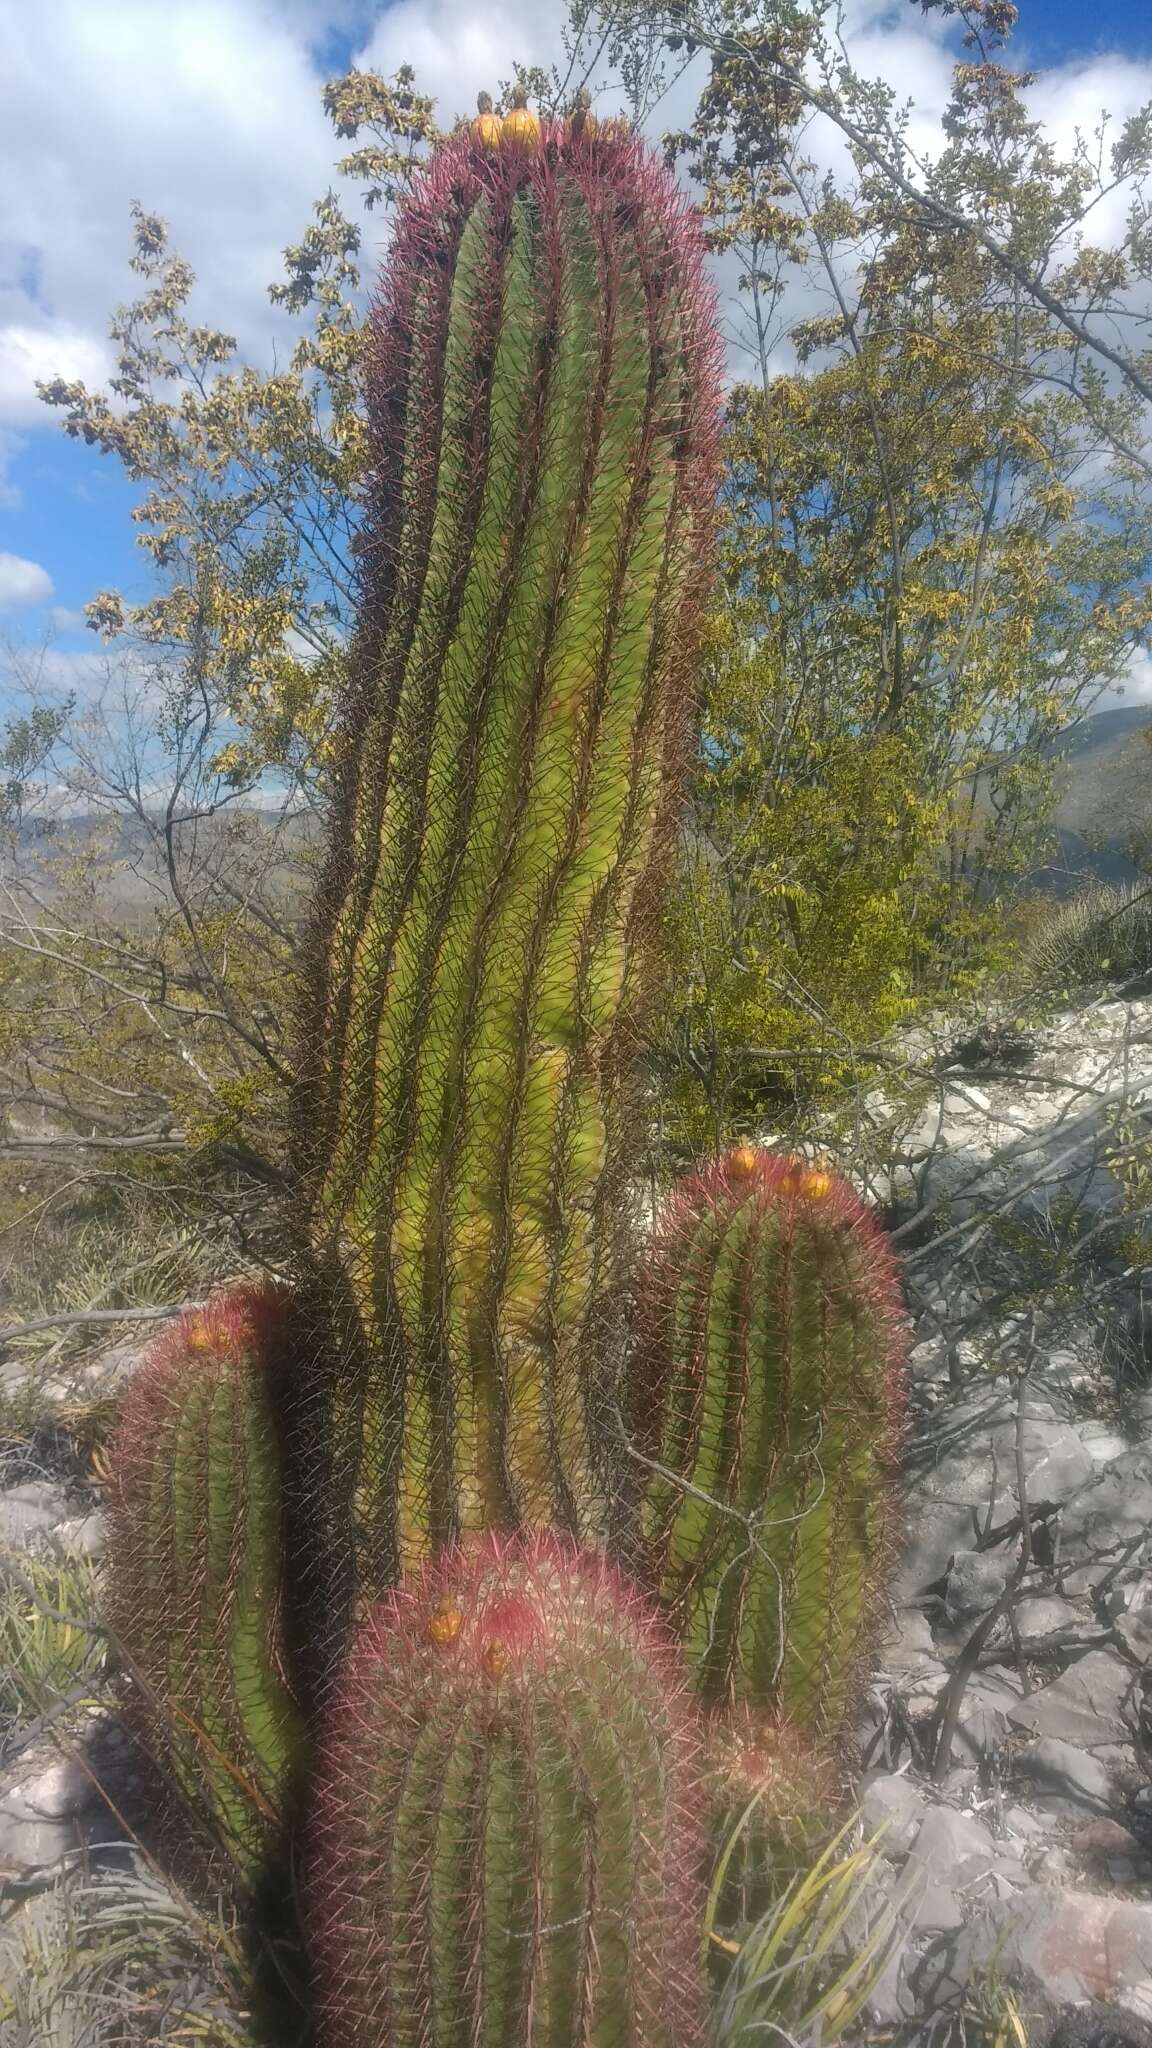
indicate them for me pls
(936, 552)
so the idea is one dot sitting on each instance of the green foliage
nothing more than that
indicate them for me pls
(808, 1967)
(27, 744)
(801, 904)
(125, 1962)
(925, 579)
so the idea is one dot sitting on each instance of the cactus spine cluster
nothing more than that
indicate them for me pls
(197, 1541)
(765, 1400)
(502, 1840)
(507, 1843)
(541, 409)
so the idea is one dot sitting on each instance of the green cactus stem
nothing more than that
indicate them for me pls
(542, 416)
(507, 1843)
(765, 1408)
(195, 1570)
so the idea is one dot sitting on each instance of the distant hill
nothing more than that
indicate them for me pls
(1105, 802)
(1104, 808)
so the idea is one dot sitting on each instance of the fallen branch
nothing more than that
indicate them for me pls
(93, 1315)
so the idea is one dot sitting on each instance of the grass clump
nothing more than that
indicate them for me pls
(805, 1971)
(1101, 935)
(52, 1646)
(119, 1962)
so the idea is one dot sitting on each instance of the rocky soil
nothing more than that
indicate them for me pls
(1006, 1740)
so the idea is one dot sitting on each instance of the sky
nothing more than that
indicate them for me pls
(209, 113)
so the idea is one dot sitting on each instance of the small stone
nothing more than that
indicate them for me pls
(1082, 1580)
(29, 1513)
(959, 1784)
(1046, 1616)
(907, 1642)
(984, 1724)
(38, 1817)
(975, 1582)
(86, 1536)
(892, 1803)
(57, 1792)
(1135, 1632)
(1022, 1825)
(1077, 1945)
(936, 1530)
(951, 1856)
(920, 1704)
(1129, 1596)
(1104, 1838)
(1113, 1510)
(1101, 1443)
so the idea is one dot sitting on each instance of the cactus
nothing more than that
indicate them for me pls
(507, 1844)
(772, 1796)
(196, 1564)
(542, 416)
(765, 1407)
(504, 1845)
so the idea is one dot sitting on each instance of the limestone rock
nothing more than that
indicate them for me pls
(1088, 1705)
(1069, 1774)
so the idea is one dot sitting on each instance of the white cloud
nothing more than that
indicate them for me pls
(50, 348)
(458, 50)
(1137, 687)
(206, 111)
(209, 112)
(66, 620)
(22, 582)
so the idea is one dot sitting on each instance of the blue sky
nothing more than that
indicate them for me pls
(209, 112)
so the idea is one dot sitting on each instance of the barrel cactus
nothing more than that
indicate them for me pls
(507, 1845)
(765, 1402)
(197, 1564)
(772, 1796)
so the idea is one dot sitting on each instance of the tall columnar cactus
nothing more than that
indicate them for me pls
(196, 1557)
(507, 1845)
(766, 1400)
(542, 399)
